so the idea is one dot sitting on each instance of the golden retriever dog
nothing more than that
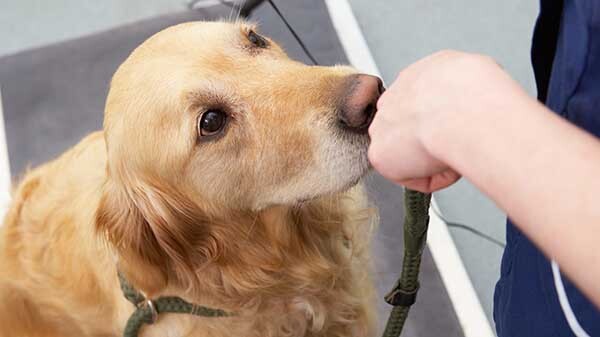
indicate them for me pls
(226, 174)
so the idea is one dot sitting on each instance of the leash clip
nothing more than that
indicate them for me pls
(152, 307)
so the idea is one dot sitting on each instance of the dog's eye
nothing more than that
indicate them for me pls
(257, 40)
(211, 122)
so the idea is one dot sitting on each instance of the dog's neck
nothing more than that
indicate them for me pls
(254, 257)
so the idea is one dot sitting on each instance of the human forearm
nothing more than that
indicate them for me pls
(539, 168)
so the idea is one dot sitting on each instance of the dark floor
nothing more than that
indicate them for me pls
(54, 95)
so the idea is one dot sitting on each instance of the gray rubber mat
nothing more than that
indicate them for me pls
(54, 95)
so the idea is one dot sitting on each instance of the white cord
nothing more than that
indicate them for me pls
(564, 303)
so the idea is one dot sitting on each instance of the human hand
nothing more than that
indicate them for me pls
(444, 90)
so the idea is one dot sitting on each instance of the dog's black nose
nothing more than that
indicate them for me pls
(360, 104)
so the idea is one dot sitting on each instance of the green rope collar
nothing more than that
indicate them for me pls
(147, 310)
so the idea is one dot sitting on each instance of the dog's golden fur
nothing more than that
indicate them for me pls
(261, 222)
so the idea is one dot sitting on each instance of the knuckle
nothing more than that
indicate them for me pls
(371, 154)
(382, 101)
(449, 53)
(483, 60)
(374, 156)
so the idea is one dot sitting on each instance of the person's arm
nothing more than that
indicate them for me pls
(461, 113)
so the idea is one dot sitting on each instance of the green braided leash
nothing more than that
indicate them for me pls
(148, 310)
(404, 294)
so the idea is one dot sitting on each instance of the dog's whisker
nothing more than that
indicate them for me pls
(230, 17)
(239, 13)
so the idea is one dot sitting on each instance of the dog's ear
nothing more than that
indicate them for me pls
(156, 232)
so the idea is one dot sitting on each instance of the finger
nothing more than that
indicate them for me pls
(443, 180)
(431, 184)
(419, 184)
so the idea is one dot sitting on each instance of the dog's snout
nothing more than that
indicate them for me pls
(360, 104)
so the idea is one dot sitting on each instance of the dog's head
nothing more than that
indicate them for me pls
(219, 111)
(217, 115)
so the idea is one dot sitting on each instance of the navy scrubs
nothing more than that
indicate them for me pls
(566, 61)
